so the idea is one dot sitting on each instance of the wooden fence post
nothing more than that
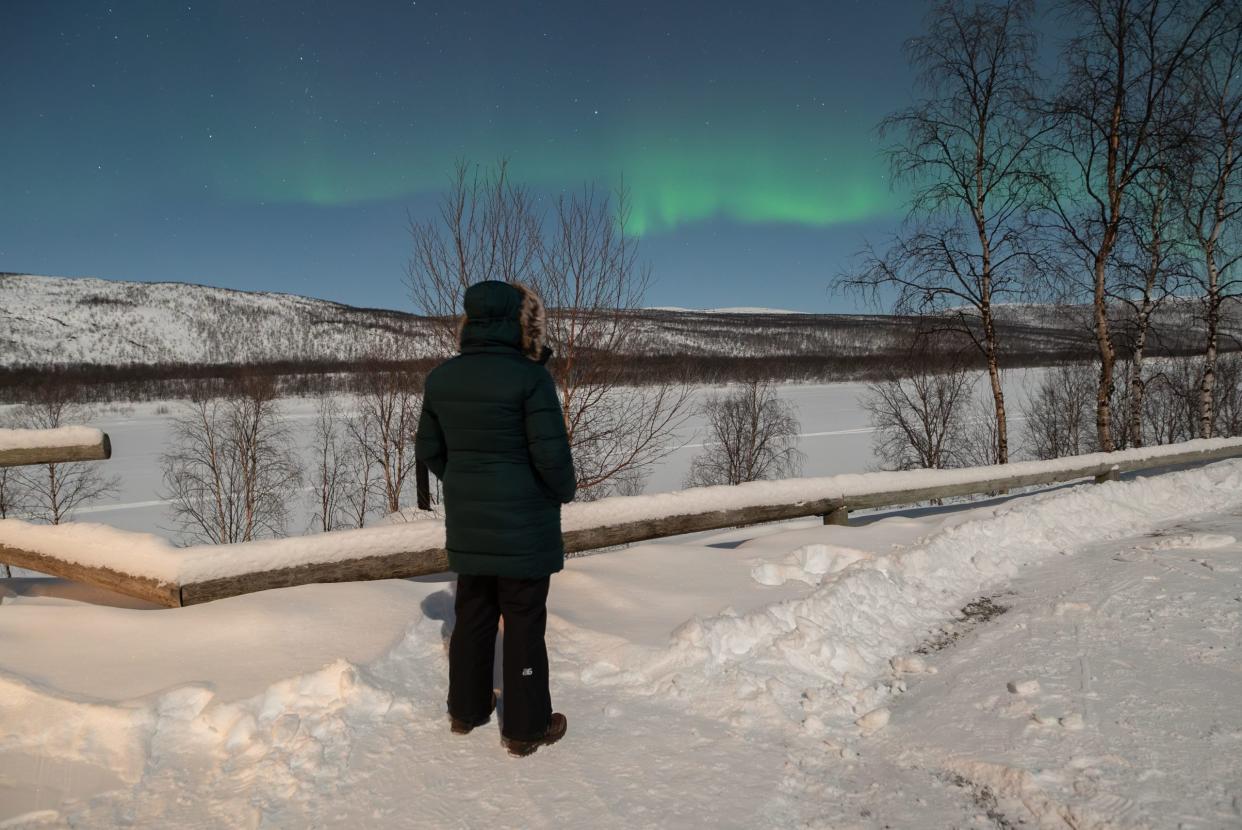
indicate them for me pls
(840, 516)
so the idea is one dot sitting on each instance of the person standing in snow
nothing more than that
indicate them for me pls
(492, 431)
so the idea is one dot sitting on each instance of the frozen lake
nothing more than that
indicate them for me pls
(836, 437)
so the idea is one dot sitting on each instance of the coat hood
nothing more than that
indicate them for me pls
(503, 314)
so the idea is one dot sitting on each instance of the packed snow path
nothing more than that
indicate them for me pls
(782, 676)
(1107, 695)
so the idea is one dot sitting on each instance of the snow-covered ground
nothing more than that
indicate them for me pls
(791, 675)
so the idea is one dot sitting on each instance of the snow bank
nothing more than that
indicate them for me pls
(108, 736)
(809, 564)
(827, 658)
(296, 734)
(294, 737)
(31, 439)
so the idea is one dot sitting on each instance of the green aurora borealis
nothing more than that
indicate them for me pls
(669, 183)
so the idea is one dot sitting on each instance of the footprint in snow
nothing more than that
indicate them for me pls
(1024, 688)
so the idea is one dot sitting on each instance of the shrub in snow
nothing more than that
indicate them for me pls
(920, 411)
(1060, 412)
(231, 466)
(752, 435)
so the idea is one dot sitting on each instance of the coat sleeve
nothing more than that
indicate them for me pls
(429, 446)
(547, 440)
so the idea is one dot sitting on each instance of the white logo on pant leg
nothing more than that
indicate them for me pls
(527, 672)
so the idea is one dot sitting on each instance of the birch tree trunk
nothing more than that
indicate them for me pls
(1143, 323)
(1207, 387)
(998, 393)
(1108, 356)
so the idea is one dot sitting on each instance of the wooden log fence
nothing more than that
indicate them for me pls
(179, 577)
(24, 447)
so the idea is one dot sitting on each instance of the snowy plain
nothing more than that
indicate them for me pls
(1065, 659)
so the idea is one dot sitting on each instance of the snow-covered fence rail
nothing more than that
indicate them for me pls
(21, 447)
(149, 567)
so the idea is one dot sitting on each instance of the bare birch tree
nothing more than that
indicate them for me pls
(1151, 269)
(1210, 191)
(1171, 404)
(1058, 412)
(231, 466)
(593, 285)
(328, 467)
(980, 439)
(12, 497)
(487, 228)
(583, 263)
(920, 411)
(751, 435)
(1120, 72)
(52, 492)
(1227, 407)
(11, 504)
(383, 432)
(363, 496)
(970, 152)
(343, 482)
(1162, 420)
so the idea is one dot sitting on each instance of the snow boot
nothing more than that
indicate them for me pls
(556, 731)
(463, 727)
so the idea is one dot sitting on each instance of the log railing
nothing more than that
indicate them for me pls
(149, 567)
(23, 447)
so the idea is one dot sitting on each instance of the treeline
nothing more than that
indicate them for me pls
(929, 414)
(87, 383)
(1115, 182)
(861, 361)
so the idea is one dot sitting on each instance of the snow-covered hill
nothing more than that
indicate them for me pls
(60, 321)
(64, 321)
(52, 320)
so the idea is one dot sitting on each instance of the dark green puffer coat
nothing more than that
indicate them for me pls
(492, 430)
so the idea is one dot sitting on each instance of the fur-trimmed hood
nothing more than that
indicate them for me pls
(503, 314)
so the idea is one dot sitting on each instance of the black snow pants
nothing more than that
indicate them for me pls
(523, 603)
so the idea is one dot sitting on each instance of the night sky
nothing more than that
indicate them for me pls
(279, 145)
